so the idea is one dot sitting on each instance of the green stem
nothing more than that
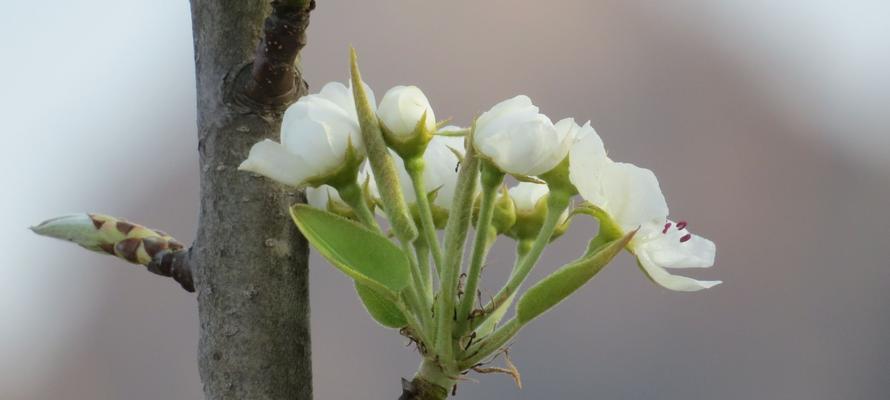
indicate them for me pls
(415, 167)
(423, 257)
(557, 202)
(491, 179)
(423, 302)
(455, 237)
(482, 350)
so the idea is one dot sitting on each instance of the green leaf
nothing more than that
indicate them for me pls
(384, 311)
(563, 282)
(363, 255)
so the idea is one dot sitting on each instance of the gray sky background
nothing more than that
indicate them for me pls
(767, 124)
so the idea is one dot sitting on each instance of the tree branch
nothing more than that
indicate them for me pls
(274, 70)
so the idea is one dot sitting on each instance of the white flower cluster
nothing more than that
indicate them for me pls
(320, 134)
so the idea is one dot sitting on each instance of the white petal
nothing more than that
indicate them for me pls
(315, 145)
(319, 197)
(674, 282)
(632, 195)
(659, 247)
(506, 106)
(401, 109)
(587, 160)
(272, 160)
(526, 195)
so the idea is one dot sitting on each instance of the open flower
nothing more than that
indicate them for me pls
(317, 133)
(401, 109)
(632, 198)
(519, 140)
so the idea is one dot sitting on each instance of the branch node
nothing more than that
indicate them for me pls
(276, 79)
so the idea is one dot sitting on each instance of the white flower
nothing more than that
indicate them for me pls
(631, 196)
(315, 134)
(519, 140)
(402, 108)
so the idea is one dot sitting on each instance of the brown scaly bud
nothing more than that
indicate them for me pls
(158, 251)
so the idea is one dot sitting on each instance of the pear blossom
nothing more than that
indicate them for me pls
(316, 133)
(519, 140)
(402, 108)
(632, 198)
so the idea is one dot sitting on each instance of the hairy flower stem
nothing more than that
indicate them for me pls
(557, 202)
(455, 238)
(491, 345)
(415, 167)
(491, 179)
(423, 257)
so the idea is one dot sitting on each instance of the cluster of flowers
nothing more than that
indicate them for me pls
(321, 138)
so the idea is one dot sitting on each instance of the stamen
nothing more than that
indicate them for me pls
(681, 225)
(666, 227)
(686, 237)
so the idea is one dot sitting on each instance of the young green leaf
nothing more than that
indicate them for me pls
(563, 282)
(384, 311)
(363, 255)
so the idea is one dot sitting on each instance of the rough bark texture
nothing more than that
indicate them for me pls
(420, 389)
(249, 261)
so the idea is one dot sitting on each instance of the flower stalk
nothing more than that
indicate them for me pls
(491, 180)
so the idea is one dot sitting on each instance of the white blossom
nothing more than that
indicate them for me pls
(519, 140)
(632, 197)
(316, 132)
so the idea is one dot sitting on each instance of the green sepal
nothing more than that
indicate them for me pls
(528, 223)
(609, 230)
(381, 162)
(345, 174)
(558, 178)
(553, 289)
(363, 255)
(411, 146)
(383, 310)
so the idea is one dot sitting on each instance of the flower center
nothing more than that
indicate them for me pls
(680, 226)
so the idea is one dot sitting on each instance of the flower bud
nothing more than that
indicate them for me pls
(530, 201)
(504, 214)
(101, 233)
(519, 140)
(402, 109)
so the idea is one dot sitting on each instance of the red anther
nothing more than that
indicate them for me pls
(681, 225)
(685, 237)
(666, 227)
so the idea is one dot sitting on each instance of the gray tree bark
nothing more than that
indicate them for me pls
(249, 262)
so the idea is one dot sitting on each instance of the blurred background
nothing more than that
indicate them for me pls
(768, 124)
